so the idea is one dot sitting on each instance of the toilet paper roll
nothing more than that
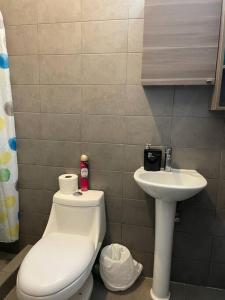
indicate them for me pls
(68, 183)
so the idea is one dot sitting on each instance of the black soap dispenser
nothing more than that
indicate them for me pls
(152, 158)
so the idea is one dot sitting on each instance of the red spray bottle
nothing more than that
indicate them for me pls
(84, 173)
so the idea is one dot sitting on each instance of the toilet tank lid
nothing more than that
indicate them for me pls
(89, 198)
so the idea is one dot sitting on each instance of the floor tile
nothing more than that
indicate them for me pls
(177, 291)
(3, 263)
(5, 258)
(140, 290)
(101, 293)
(11, 295)
(203, 293)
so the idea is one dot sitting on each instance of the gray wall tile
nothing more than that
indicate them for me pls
(29, 200)
(94, 129)
(28, 240)
(113, 209)
(135, 35)
(192, 101)
(148, 130)
(60, 154)
(17, 38)
(49, 41)
(22, 12)
(105, 36)
(190, 271)
(133, 157)
(192, 246)
(217, 274)
(45, 205)
(50, 176)
(218, 250)
(206, 161)
(58, 11)
(105, 9)
(131, 190)
(36, 224)
(154, 101)
(198, 132)
(206, 198)
(60, 69)
(24, 69)
(196, 220)
(60, 127)
(35, 201)
(26, 98)
(146, 259)
(218, 228)
(104, 68)
(222, 166)
(221, 193)
(105, 156)
(134, 63)
(138, 237)
(29, 151)
(23, 128)
(113, 233)
(109, 182)
(61, 98)
(136, 9)
(138, 212)
(103, 99)
(30, 176)
(26, 226)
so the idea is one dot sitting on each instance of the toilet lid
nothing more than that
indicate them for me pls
(55, 262)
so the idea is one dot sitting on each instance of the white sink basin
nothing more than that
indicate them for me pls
(176, 185)
(167, 188)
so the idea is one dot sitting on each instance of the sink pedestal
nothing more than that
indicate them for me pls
(167, 188)
(164, 227)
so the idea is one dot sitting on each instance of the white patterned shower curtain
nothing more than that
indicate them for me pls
(9, 200)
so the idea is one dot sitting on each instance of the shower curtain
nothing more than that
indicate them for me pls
(9, 200)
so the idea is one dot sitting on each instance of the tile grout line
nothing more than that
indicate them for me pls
(210, 258)
(72, 22)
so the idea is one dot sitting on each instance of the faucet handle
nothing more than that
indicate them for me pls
(147, 146)
(168, 159)
(168, 150)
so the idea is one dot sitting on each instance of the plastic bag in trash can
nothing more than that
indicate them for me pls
(117, 268)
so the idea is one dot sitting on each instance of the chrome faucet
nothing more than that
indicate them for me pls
(168, 159)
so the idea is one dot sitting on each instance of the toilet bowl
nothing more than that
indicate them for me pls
(59, 265)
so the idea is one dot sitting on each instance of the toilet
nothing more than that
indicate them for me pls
(59, 265)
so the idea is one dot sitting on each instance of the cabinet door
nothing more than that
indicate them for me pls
(180, 41)
(218, 99)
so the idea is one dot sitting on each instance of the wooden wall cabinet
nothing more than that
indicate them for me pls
(181, 42)
(218, 100)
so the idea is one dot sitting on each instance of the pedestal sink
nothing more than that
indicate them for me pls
(167, 188)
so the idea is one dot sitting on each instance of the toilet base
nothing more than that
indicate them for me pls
(85, 291)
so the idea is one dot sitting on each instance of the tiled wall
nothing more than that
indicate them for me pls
(75, 68)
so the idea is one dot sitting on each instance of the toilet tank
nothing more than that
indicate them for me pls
(82, 214)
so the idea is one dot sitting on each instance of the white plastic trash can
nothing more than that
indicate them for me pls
(118, 269)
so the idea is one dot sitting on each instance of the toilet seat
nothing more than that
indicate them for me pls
(56, 267)
(65, 294)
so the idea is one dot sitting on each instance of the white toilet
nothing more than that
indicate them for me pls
(59, 266)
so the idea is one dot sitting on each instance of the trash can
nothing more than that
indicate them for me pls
(118, 269)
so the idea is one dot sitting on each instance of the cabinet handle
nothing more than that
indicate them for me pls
(209, 81)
